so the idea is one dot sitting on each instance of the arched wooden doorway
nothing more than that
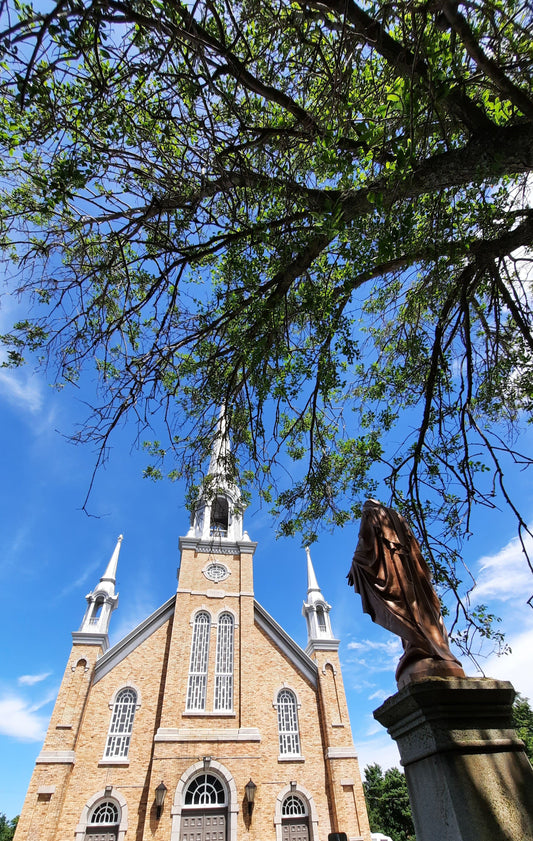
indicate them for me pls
(103, 822)
(294, 819)
(204, 816)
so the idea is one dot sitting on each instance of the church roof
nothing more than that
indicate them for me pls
(264, 620)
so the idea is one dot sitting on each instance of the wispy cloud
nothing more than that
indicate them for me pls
(20, 720)
(391, 646)
(515, 667)
(23, 390)
(134, 615)
(380, 750)
(379, 695)
(31, 680)
(505, 575)
(88, 573)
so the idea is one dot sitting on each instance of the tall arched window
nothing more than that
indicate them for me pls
(196, 690)
(321, 618)
(104, 822)
(119, 736)
(289, 737)
(224, 663)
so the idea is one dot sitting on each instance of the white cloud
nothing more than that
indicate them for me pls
(516, 666)
(505, 575)
(379, 695)
(391, 646)
(31, 680)
(381, 750)
(19, 720)
(22, 390)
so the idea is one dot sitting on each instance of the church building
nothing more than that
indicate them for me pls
(205, 723)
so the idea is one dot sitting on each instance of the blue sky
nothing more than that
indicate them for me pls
(53, 553)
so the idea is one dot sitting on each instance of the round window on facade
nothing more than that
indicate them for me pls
(216, 572)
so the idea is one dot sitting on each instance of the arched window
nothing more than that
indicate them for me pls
(119, 736)
(219, 517)
(293, 806)
(289, 737)
(224, 663)
(104, 821)
(320, 618)
(196, 690)
(205, 790)
(294, 820)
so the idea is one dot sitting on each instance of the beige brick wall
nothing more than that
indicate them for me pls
(158, 669)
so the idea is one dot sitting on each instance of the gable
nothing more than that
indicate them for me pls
(297, 656)
(131, 641)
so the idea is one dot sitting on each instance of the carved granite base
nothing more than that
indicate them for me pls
(468, 776)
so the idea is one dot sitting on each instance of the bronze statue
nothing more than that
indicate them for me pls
(393, 579)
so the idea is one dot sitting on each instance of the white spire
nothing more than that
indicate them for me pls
(316, 612)
(101, 602)
(218, 512)
(314, 593)
(108, 579)
(221, 447)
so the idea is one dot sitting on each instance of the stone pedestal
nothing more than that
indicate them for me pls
(468, 776)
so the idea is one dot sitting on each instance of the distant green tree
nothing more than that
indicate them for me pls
(387, 801)
(7, 828)
(523, 723)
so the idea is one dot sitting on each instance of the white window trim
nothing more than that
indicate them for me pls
(289, 757)
(227, 674)
(312, 813)
(209, 625)
(233, 800)
(120, 760)
(79, 832)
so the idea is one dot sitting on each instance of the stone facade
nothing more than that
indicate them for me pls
(172, 745)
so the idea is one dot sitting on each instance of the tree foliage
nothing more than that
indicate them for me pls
(523, 723)
(314, 213)
(387, 803)
(7, 827)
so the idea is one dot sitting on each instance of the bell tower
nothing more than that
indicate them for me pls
(218, 511)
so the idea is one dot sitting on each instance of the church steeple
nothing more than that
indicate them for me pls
(316, 612)
(101, 602)
(218, 511)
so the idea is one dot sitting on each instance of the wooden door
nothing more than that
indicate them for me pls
(295, 829)
(203, 826)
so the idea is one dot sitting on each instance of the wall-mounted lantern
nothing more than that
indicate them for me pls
(160, 793)
(249, 790)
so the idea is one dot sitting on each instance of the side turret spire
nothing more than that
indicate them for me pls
(316, 612)
(101, 602)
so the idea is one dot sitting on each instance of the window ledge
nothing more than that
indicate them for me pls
(209, 713)
(291, 757)
(114, 760)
